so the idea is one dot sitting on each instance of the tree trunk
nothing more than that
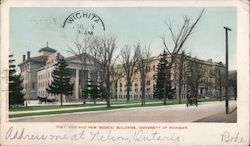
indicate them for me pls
(61, 99)
(220, 93)
(82, 81)
(143, 93)
(108, 100)
(128, 89)
(108, 91)
(196, 92)
(180, 84)
(165, 89)
(164, 92)
(116, 90)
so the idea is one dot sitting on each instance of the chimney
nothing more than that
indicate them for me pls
(28, 55)
(23, 57)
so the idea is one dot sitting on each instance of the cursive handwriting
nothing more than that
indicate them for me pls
(92, 135)
(154, 136)
(229, 138)
(107, 137)
(16, 134)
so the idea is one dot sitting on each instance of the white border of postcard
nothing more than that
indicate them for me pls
(195, 134)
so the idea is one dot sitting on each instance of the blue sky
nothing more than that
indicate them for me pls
(31, 28)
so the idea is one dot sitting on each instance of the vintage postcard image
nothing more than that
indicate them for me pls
(128, 73)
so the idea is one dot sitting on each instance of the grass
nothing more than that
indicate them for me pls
(114, 105)
(50, 107)
(84, 110)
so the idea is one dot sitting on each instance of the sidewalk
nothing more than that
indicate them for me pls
(161, 113)
(222, 117)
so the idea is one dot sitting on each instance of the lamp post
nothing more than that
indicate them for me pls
(226, 70)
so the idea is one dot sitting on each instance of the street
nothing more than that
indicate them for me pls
(205, 112)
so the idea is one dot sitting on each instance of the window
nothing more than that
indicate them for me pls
(120, 84)
(154, 77)
(33, 85)
(154, 68)
(148, 82)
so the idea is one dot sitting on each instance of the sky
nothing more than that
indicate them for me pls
(32, 28)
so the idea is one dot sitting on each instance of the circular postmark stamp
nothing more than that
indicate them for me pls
(87, 23)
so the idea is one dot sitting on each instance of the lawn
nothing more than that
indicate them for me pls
(114, 105)
(50, 107)
(85, 110)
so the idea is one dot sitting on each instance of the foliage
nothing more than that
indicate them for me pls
(15, 85)
(161, 77)
(93, 90)
(61, 80)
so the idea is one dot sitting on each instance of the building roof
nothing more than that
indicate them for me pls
(38, 59)
(47, 49)
(76, 57)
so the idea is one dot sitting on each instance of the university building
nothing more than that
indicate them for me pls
(36, 73)
(207, 84)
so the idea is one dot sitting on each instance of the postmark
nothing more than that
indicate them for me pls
(84, 22)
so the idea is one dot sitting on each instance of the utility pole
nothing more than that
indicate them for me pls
(226, 70)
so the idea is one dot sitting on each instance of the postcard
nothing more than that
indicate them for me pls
(124, 72)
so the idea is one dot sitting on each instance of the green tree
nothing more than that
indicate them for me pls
(92, 90)
(15, 85)
(161, 77)
(61, 79)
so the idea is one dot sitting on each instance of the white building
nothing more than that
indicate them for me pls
(37, 73)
